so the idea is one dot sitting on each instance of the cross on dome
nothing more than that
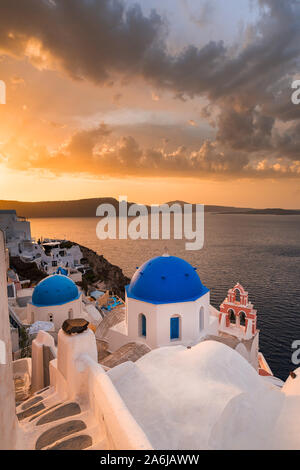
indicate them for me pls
(166, 252)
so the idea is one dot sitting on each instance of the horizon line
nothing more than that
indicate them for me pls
(145, 204)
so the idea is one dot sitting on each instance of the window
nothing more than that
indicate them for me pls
(70, 314)
(142, 325)
(11, 290)
(237, 295)
(242, 319)
(232, 316)
(175, 328)
(50, 317)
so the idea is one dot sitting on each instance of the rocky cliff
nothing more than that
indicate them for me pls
(102, 270)
(26, 270)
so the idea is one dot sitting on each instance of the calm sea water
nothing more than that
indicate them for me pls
(261, 252)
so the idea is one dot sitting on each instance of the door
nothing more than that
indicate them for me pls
(174, 328)
(144, 326)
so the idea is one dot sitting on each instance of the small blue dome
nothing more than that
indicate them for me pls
(62, 271)
(164, 280)
(55, 290)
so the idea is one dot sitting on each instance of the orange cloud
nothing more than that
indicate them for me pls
(90, 152)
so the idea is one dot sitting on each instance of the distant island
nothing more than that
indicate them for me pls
(87, 208)
(266, 211)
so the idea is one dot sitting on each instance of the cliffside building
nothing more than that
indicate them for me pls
(16, 230)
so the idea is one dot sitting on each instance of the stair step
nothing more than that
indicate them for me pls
(30, 411)
(30, 402)
(58, 432)
(64, 411)
(42, 390)
(80, 442)
(44, 411)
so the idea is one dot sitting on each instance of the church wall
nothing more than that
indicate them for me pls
(135, 308)
(189, 320)
(158, 321)
(60, 313)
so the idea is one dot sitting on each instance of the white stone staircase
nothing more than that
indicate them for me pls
(49, 423)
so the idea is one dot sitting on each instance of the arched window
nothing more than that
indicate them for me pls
(70, 313)
(232, 316)
(142, 325)
(242, 319)
(201, 319)
(175, 327)
(237, 295)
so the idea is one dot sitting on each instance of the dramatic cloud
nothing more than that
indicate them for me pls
(91, 38)
(89, 152)
(248, 85)
(87, 38)
(244, 129)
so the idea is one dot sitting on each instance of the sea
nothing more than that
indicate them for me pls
(262, 252)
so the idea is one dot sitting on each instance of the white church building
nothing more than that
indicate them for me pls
(166, 304)
(55, 299)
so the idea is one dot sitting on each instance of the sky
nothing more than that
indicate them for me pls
(158, 101)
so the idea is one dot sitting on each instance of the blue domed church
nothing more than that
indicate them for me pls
(54, 299)
(166, 303)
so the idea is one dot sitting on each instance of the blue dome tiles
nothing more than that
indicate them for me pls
(164, 280)
(55, 290)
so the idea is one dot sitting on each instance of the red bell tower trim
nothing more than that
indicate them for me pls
(236, 310)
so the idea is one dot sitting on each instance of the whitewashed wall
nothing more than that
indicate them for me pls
(8, 420)
(60, 313)
(158, 323)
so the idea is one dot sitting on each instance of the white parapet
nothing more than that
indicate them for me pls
(121, 429)
(43, 339)
(76, 374)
